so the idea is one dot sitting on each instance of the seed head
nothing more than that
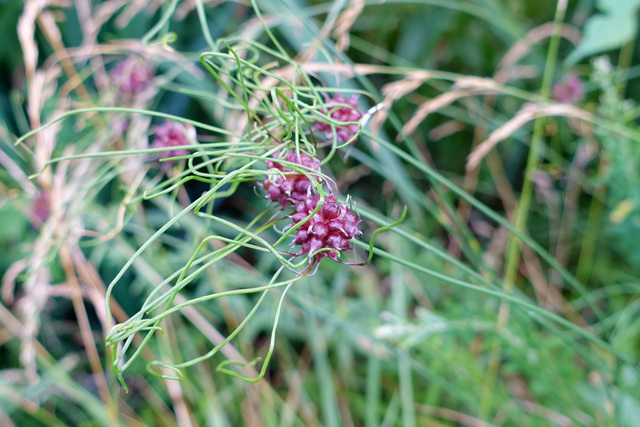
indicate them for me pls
(332, 227)
(291, 187)
(170, 135)
(343, 110)
(132, 76)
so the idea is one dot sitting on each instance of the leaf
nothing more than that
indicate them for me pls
(13, 224)
(608, 31)
(613, 5)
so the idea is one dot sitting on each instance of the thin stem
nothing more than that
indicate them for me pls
(522, 209)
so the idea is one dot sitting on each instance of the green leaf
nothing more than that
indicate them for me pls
(13, 224)
(608, 31)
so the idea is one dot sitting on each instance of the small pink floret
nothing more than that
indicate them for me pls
(569, 90)
(132, 76)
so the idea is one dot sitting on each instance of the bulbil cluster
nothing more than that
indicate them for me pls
(172, 135)
(331, 228)
(289, 187)
(132, 76)
(343, 110)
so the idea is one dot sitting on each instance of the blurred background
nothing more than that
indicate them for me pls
(508, 296)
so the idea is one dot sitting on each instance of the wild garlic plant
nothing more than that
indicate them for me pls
(292, 128)
(286, 129)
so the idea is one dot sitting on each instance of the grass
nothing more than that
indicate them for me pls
(496, 280)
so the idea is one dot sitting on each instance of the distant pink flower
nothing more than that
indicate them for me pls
(569, 90)
(171, 135)
(40, 206)
(343, 110)
(332, 227)
(132, 76)
(290, 187)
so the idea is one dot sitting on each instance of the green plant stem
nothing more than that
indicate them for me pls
(374, 389)
(626, 57)
(166, 16)
(522, 210)
(588, 246)
(202, 18)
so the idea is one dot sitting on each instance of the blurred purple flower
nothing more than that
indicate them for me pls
(40, 206)
(290, 188)
(569, 90)
(343, 110)
(332, 227)
(170, 135)
(132, 76)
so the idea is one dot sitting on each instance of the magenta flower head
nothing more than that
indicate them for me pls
(332, 227)
(172, 135)
(131, 76)
(569, 90)
(343, 110)
(289, 187)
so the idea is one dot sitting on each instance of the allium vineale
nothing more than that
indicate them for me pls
(132, 76)
(290, 187)
(343, 110)
(172, 135)
(331, 228)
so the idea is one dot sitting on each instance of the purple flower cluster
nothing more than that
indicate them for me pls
(132, 76)
(343, 110)
(569, 90)
(171, 135)
(289, 187)
(332, 227)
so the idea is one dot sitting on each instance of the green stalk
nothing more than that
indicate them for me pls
(374, 388)
(522, 210)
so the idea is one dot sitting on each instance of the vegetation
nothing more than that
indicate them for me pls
(304, 214)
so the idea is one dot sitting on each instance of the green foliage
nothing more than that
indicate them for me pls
(505, 293)
(612, 29)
